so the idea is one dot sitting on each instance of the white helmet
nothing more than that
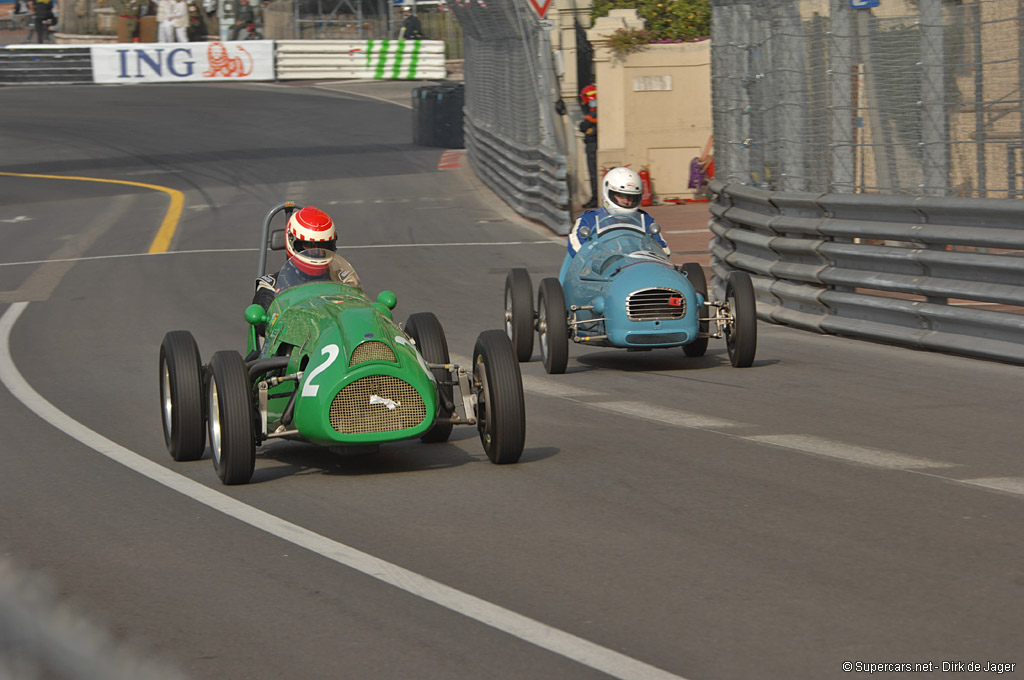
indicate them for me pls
(309, 228)
(621, 191)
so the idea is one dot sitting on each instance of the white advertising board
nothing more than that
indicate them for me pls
(129, 63)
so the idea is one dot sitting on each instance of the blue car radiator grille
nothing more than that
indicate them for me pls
(371, 350)
(355, 411)
(654, 304)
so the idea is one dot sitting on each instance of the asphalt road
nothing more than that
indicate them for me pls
(670, 518)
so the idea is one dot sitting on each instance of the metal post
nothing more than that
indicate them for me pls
(1020, 66)
(840, 77)
(934, 137)
(789, 51)
(979, 99)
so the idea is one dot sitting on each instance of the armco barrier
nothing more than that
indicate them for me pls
(347, 59)
(943, 274)
(293, 60)
(530, 179)
(45, 64)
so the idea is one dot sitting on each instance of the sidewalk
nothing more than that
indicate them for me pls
(9, 35)
(685, 228)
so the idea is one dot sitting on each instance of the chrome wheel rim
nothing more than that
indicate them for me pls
(542, 330)
(165, 389)
(508, 313)
(480, 371)
(214, 420)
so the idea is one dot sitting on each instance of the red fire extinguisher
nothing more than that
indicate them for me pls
(645, 178)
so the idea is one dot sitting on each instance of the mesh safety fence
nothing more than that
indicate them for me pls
(511, 137)
(913, 97)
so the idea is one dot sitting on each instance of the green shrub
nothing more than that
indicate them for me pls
(666, 21)
(627, 41)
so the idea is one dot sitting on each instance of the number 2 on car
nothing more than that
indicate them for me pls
(309, 389)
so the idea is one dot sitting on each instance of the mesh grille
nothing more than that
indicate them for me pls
(371, 351)
(652, 304)
(352, 412)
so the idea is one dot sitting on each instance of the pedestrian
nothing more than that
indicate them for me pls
(588, 97)
(196, 24)
(129, 12)
(412, 29)
(165, 21)
(244, 16)
(180, 15)
(43, 20)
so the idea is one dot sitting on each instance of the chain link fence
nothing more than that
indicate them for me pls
(511, 136)
(913, 97)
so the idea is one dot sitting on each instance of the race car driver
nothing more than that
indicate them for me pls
(621, 192)
(307, 228)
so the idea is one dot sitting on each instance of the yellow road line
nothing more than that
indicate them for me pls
(162, 240)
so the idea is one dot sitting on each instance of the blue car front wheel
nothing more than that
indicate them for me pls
(552, 326)
(741, 332)
(695, 275)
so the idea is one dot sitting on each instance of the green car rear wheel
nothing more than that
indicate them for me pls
(426, 331)
(181, 396)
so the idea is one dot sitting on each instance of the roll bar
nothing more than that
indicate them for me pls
(290, 207)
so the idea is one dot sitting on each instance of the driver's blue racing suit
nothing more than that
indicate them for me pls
(590, 218)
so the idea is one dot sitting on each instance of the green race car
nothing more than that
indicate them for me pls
(335, 370)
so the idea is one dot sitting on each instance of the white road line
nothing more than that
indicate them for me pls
(553, 388)
(1010, 484)
(552, 639)
(853, 454)
(253, 250)
(668, 416)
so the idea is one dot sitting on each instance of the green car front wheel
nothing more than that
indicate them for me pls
(500, 411)
(230, 418)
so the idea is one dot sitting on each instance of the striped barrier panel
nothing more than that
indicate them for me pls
(361, 59)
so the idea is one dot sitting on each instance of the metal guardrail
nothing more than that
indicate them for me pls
(943, 274)
(293, 60)
(45, 64)
(378, 59)
(531, 179)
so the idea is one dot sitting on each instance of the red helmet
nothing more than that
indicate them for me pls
(309, 228)
(588, 93)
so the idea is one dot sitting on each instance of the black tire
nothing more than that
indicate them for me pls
(695, 273)
(230, 417)
(500, 411)
(181, 396)
(519, 312)
(426, 332)
(741, 332)
(552, 326)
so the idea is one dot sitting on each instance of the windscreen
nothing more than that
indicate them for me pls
(316, 265)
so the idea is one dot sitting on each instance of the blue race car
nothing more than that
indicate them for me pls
(620, 290)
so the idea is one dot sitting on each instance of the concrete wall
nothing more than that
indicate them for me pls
(654, 108)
